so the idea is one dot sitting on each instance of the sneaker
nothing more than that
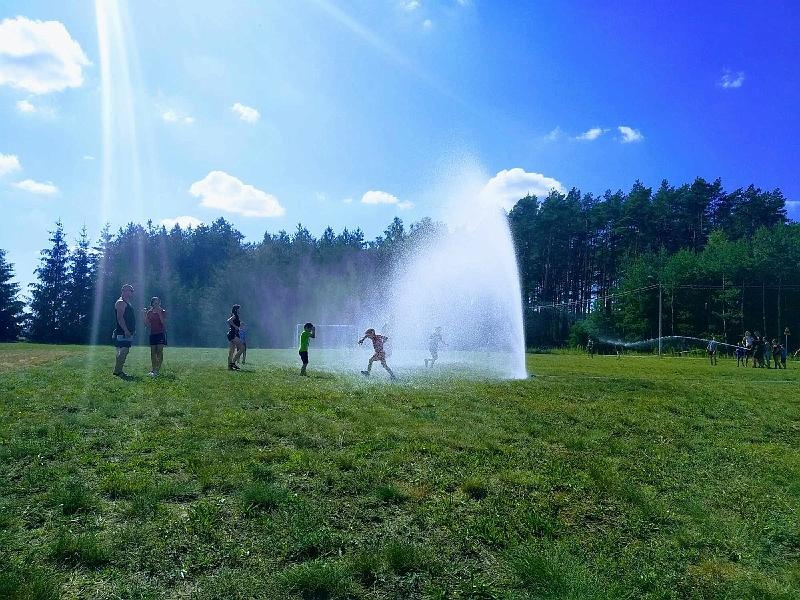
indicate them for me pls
(151, 374)
(230, 366)
(393, 377)
(235, 367)
(365, 373)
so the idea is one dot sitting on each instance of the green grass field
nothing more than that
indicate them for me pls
(603, 478)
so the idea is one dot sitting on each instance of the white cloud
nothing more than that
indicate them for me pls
(39, 56)
(411, 5)
(9, 163)
(174, 116)
(730, 79)
(35, 187)
(246, 113)
(629, 134)
(185, 222)
(348, 200)
(427, 24)
(554, 135)
(225, 192)
(591, 134)
(378, 197)
(509, 185)
(24, 106)
(88, 157)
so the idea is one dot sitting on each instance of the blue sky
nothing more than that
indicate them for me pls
(339, 113)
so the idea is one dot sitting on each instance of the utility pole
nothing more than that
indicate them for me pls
(659, 319)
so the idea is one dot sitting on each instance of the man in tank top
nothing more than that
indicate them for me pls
(124, 328)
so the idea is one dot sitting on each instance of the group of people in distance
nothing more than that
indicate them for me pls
(155, 320)
(759, 348)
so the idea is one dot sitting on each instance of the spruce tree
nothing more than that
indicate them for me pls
(10, 304)
(80, 290)
(48, 296)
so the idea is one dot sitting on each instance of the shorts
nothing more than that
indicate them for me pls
(304, 356)
(379, 356)
(434, 352)
(232, 335)
(158, 339)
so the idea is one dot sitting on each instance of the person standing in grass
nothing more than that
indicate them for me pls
(776, 353)
(712, 350)
(378, 342)
(155, 319)
(590, 348)
(740, 353)
(433, 346)
(243, 339)
(747, 342)
(235, 348)
(784, 353)
(124, 328)
(767, 352)
(309, 331)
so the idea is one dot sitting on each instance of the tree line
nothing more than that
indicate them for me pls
(589, 265)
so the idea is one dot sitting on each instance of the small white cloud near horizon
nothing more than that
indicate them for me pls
(591, 134)
(406, 205)
(39, 57)
(36, 187)
(246, 113)
(225, 192)
(509, 185)
(88, 157)
(347, 201)
(185, 222)
(731, 79)
(629, 134)
(174, 116)
(411, 5)
(9, 163)
(427, 24)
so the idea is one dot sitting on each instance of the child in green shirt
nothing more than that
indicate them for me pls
(305, 336)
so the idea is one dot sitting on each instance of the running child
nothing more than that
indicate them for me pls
(433, 346)
(309, 331)
(380, 355)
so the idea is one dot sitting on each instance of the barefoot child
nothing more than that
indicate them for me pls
(309, 331)
(377, 344)
(433, 345)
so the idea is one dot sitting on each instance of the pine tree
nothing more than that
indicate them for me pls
(48, 296)
(80, 290)
(10, 305)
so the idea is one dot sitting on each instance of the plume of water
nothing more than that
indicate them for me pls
(464, 280)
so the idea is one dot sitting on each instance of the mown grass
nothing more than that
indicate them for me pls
(603, 478)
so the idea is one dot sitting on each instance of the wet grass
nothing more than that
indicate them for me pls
(603, 478)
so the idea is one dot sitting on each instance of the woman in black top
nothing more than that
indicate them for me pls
(234, 343)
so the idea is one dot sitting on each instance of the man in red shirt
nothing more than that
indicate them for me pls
(380, 354)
